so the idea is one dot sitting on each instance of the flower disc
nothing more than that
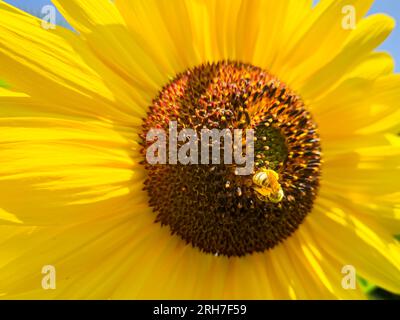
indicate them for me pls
(210, 206)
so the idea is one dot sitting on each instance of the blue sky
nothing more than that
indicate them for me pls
(392, 7)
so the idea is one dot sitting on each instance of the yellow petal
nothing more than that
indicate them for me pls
(60, 64)
(370, 249)
(372, 171)
(361, 106)
(104, 29)
(369, 33)
(181, 34)
(326, 269)
(373, 66)
(308, 51)
(62, 171)
(85, 257)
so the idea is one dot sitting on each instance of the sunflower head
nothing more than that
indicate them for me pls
(212, 207)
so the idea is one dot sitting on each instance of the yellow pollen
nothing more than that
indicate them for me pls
(267, 187)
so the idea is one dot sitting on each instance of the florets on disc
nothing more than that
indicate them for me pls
(209, 206)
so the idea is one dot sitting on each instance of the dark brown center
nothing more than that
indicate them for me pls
(209, 206)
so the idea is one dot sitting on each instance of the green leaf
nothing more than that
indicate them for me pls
(366, 287)
(3, 84)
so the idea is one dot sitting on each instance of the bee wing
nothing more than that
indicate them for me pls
(263, 191)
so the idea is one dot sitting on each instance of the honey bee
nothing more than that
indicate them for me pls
(267, 187)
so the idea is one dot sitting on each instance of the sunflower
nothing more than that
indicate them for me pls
(78, 195)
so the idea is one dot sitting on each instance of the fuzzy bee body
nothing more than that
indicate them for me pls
(268, 188)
